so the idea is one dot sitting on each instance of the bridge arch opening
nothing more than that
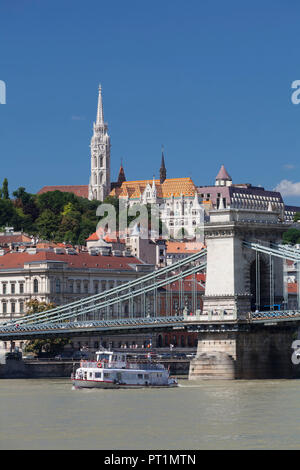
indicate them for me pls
(259, 284)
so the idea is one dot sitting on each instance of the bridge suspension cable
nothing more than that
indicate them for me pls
(117, 294)
(67, 316)
(279, 251)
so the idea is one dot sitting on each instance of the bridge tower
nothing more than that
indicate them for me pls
(238, 280)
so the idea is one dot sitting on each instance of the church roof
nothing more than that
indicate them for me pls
(223, 175)
(81, 190)
(172, 186)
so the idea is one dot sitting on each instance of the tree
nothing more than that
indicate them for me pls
(7, 212)
(47, 224)
(51, 346)
(291, 236)
(297, 217)
(5, 193)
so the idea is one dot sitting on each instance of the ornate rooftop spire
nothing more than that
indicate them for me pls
(121, 177)
(162, 171)
(223, 175)
(223, 178)
(100, 118)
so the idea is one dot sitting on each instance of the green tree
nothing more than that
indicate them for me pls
(291, 236)
(7, 212)
(51, 346)
(297, 217)
(5, 193)
(47, 224)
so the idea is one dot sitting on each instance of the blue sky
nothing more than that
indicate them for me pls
(211, 80)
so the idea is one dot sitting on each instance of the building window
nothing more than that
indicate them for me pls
(35, 286)
(71, 287)
(78, 287)
(57, 286)
(86, 287)
(13, 288)
(4, 307)
(21, 307)
(13, 307)
(4, 288)
(21, 288)
(96, 287)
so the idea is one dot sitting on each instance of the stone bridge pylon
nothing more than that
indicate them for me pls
(239, 279)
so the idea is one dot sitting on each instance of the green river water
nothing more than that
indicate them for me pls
(49, 414)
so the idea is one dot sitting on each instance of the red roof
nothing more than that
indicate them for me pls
(78, 260)
(107, 237)
(7, 239)
(184, 247)
(81, 190)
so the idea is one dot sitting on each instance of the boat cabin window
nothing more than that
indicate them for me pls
(140, 376)
(119, 357)
(106, 375)
(104, 357)
(97, 375)
(146, 376)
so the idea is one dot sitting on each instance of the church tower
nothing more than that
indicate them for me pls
(99, 186)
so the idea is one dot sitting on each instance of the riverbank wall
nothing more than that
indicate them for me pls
(51, 369)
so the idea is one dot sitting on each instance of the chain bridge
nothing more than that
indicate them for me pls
(245, 301)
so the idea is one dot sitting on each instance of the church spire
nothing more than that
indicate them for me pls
(162, 171)
(100, 118)
(121, 177)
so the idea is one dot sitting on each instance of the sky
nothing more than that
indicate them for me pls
(209, 80)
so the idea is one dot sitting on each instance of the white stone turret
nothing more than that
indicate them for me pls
(99, 186)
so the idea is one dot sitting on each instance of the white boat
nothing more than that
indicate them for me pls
(115, 370)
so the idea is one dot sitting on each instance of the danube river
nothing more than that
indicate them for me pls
(48, 414)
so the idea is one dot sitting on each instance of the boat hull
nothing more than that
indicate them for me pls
(109, 385)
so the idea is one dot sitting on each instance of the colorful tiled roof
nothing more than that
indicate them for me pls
(174, 186)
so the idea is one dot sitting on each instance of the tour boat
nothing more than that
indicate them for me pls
(115, 370)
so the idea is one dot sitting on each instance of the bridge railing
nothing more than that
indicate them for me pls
(76, 326)
(278, 314)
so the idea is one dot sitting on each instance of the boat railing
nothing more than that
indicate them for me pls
(121, 365)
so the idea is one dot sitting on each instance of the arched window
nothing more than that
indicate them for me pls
(35, 286)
